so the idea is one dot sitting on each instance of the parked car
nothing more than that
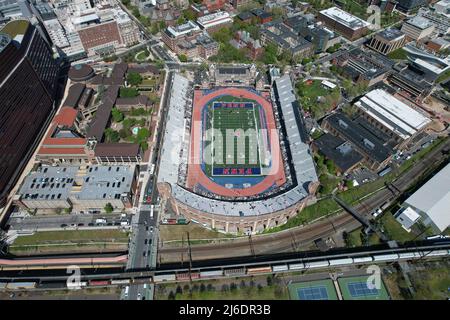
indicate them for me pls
(377, 212)
(63, 225)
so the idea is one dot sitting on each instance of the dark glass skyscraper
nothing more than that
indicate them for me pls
(28, 81)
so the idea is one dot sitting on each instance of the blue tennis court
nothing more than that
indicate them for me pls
(358, 289)
(313, 293)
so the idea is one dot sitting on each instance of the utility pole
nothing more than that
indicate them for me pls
(190, 257)
(3, 244)
(251, 244)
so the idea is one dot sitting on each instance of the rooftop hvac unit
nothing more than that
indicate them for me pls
(369, 144)
(343, 124)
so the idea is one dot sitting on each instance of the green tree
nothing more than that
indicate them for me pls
(117, 115)
(123, 133)
(182, 58)
(189, 15)
(109, 208)
(111, 135)
(135, 12)
(134, 78)
(128, 92)
(223, 35)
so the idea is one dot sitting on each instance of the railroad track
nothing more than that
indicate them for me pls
(304, 236)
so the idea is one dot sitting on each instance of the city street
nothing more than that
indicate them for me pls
(144, 243)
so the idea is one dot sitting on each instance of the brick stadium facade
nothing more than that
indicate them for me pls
(264, 204)
(233, 224)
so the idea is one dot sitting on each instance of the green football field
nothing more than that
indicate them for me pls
(235, 141)
(355, 288)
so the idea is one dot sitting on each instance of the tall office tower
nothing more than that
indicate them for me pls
(28, 82)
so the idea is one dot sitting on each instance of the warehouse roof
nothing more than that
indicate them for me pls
(392, 113)
(359, 136)
(341, 152)
(433, 198)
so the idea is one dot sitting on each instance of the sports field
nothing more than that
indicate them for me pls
(246, 164)
(236, 143)
(313, 290)
(356, 288)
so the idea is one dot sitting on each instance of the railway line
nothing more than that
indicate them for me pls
(288, 262)
(283, 241)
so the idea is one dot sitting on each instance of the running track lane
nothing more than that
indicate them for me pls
(195, 172)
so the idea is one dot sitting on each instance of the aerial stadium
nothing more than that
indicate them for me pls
(234, 156)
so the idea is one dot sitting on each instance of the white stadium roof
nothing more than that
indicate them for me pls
(170, 159)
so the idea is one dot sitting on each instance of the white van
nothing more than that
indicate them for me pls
(127, 289)
(100, 221)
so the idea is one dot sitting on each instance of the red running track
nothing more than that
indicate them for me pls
(195, 172)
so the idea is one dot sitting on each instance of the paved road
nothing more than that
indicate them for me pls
(143, 249)
(300, 237)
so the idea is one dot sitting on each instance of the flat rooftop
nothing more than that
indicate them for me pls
(80, 182)
(345, 18)
(420, 22)
(392, 113)
(391, 34)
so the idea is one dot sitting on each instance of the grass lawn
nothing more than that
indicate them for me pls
(128, 92)
(394, 230)
(265, 293)
(149, 82)
(178, 232)
(399, 54)
(246, 288)
(355, 239)
(353, 194)
(310, 92)
(443, 76)
(320, 209)
(72, 240)
(432, 284)
(142, 55)
(328, 183)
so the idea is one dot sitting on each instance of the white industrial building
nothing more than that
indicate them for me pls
(407, 217)
(391, 114)
(432, 201)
